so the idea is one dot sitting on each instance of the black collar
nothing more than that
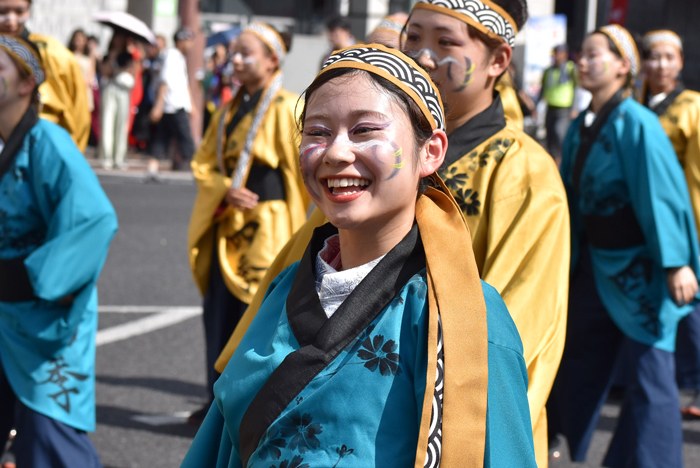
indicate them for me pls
(661, 107)
(477, 130)
(322, 339)
(247, 104)
(14, 143)
(589, 134)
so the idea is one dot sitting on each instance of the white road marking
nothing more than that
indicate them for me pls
(162, 419)
(166, 317)
(143, 309)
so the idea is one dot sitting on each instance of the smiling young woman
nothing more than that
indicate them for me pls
(679, 113)
(634, 264)
(357, 356)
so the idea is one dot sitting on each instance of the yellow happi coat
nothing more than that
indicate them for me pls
(248, 241)
(512, 196)
(509, 98)
(63, 96)
(681, 122)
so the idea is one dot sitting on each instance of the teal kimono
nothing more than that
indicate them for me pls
(629, 205)
(56, 224)
(303, 390)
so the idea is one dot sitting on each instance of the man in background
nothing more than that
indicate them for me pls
(339, 35)
(558, 84)
(173, 105)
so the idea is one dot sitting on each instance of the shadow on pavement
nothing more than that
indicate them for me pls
(120, 417)
(177, 387)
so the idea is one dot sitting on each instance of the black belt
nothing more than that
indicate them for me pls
(14, 281)
(620, 230)
(266, 183)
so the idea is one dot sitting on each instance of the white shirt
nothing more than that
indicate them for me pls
(174, 75)
(333, 286)
(656, 100)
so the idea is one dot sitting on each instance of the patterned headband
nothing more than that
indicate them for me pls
(22, 51)
(625, 44)
(270, 37)
(390, 23)
(484, 15)
(663, 36)
(398, 68)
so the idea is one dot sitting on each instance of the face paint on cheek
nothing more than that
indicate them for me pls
(4, 87)
(468, 75)
(251, 62)
(306, 172)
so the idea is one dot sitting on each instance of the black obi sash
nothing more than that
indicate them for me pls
(621, 229)
(322, 339)
(14, 280)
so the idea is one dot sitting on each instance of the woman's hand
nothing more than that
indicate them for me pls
(682, 284)
(243, 199)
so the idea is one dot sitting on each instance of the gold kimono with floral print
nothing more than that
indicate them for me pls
(246, 242)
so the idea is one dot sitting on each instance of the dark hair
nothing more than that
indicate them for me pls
(338, 22)
(93, 38)
(124, 59)
(422, 130)
(517, 9)
(71, 43)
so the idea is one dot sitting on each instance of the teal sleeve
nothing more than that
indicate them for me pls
(508, 428)
(212, 446)
(80, 219)
(658, 189)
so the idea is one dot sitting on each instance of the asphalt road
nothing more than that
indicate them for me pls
(150, 358)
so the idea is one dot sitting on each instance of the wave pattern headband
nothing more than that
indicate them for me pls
(663, 36)
(270, 37)
(484, 15)
(625, 44)
(390, 24)
(398, 68)
(22, 51)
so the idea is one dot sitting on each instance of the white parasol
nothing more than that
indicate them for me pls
(128, 22)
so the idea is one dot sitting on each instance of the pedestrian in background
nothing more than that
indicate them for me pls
(57, 224)
(114, 115)
(339, 35)
(173, 105)
(63, 98)
(558, 83)
(78, 44)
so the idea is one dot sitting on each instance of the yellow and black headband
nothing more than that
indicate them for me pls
(399, 69)
(24, 53)
(270, 37)
(484, 15)
(663, 36)
(625, 44)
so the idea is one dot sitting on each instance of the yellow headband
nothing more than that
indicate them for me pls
(391, 24)
(484, 15)
(399, 69)
(663, 36)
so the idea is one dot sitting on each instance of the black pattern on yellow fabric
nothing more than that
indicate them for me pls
(246, 242)
(681, 122)
(514, 202)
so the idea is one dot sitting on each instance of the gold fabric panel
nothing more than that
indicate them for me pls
(512, 196)
(63, 96)
(681, 121)
(509, 99)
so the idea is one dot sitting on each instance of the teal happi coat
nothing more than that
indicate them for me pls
(629, 205)
(56, 224)
(282, 402)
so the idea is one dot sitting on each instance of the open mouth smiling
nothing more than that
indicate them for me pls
(346, 186)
